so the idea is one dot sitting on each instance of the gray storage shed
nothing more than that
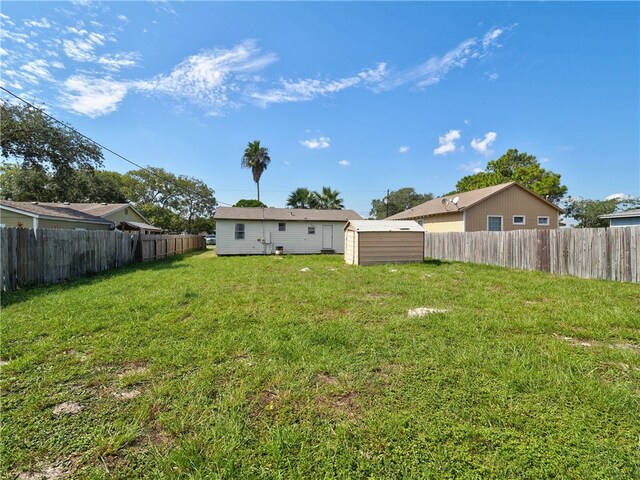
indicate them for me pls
(371, 242)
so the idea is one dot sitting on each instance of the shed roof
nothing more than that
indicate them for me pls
(141, 226)
(627, 214)
(466, 200)
(57, 211)
(384, 226)
(285, 214)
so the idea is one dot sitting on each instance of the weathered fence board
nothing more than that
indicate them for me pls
(37, 257)
(599, 253)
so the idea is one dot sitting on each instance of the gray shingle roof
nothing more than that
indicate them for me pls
(54, 210)
(627, 214)
(285, 214)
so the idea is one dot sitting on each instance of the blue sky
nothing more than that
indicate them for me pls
(362, 97)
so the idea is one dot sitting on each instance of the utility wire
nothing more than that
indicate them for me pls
(69, 127)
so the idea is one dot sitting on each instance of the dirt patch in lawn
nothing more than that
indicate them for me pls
(133, 368)
(67, 408)
(267, 400)
(127, 395)
(589, 343)
(325, 379)
(342, 405)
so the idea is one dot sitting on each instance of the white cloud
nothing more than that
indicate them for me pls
(209, 77)
(93, 97)
(308, 89)
(117, 61)
(3, 52)
(317, 143)
(434, 70)
(482, 146)
(473, 167)
(467, 122)
(36, 70)
(447, 142)
(81, 48)
(404, 148)
(344, 163)
(618, 196)
(122, 18)
(42, 23)
(492, 76)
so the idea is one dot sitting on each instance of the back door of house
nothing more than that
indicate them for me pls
(327, 237)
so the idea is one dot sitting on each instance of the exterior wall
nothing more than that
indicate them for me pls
(452, 222)
(390, 247)
(11, 219)
(625, 222)
(295, 239)
(71, 225)
(507, 203)
(121, 216)
(350, 247)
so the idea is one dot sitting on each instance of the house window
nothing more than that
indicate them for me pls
(282, 227)
(494, 223)
(543, 221)
(239, 231)
(311, 230)
(519, 220)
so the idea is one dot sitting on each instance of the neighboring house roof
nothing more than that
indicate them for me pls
(627, 214)
(285, 214)
(465, 201)
(383, 226)
(51, 211)
(98, 209)
(141, 226)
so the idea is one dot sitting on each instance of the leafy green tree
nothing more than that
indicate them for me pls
(586, 212)
(249, 203)
(327, 199)
(301, 197)
(257, 159)
(37, 142)
(397, 201)
(520, 167)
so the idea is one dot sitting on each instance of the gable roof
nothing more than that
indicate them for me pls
(285, 214)
(466, 200)
(52, 212)
(627, 214)
(383, 226)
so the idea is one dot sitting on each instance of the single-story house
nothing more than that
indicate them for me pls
(260, 231)
(508, 206)
(630, 218)
(370, 242)
(85, 216)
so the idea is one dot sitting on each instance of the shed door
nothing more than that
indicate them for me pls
(327, 237)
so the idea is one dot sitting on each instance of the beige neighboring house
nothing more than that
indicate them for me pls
(82, 216)
(508, 206)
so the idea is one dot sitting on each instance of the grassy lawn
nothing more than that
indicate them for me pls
(248, 367)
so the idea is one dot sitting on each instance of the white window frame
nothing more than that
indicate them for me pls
(501, 217)
(524, 220)
(240, 231)
(282, 226)
(548, 224)
(311, 230)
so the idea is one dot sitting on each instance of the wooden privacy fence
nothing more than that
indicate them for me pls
(38, 257)
(599, 253)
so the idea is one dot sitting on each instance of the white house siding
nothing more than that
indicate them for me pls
(295, 239)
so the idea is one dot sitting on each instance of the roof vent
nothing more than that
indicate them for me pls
(65, 203)
(34, 203)
(103, 203)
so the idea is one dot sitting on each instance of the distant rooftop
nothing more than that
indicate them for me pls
(285, 214)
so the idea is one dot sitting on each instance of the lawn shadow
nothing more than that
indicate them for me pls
(27, 293)
(435, 262)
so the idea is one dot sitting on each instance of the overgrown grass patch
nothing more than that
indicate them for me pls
(248, 367)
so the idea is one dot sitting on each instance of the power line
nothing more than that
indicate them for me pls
(69, 127)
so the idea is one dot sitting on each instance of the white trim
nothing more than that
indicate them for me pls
(464, 220)
(524, 220)
(548, 224)
(501, 223)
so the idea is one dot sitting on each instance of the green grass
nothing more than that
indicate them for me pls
(247, 367)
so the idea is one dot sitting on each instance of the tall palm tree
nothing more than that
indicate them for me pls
(300, 198)
(257, 159)
(328, 199)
